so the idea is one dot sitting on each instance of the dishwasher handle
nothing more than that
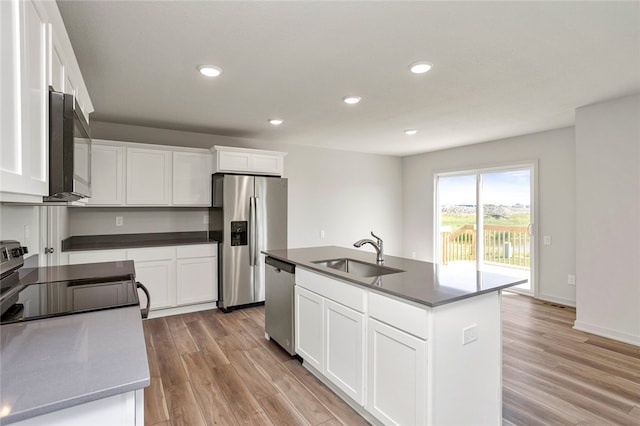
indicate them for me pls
(279, 265)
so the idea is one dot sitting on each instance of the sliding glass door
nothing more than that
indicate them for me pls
(486, 216)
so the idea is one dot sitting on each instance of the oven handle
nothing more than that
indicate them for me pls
(144, 312)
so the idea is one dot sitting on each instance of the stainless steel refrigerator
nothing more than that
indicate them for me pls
(248, 215)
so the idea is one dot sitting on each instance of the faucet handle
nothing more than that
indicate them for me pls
(376, 237)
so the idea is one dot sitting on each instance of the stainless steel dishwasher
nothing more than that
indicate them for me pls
(279, 303)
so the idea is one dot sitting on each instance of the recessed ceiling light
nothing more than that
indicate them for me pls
(209, 70)
(410, 132)
(351, 100)
(276, 121)
(420, 67)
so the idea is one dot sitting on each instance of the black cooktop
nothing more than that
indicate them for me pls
(71, 297)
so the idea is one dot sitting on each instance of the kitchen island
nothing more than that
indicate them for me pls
(419, 344)
(79, 369)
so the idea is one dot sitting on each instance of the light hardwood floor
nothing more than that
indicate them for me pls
(210, 368)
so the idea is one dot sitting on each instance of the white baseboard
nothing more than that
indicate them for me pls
(606, 332)
(558, 300)
(182, 310)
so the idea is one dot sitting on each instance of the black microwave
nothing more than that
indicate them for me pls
(69, 150)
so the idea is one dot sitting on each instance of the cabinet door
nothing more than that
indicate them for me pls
(107, 169)
(344, 362)
(232, 161)
(58, 74)
(309, 327)
(191, 179)
(197, 280)
(159, 277)
(268, 164)
(148, 177)
(24, 121)
(396, 375)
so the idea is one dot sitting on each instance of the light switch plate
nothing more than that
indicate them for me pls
(547, 240)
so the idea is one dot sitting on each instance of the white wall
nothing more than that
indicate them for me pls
(345, 194)
(102, 220)
(554, 152)
(14, 219)
(608, 218)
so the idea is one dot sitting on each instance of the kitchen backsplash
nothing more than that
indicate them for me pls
(102, 221)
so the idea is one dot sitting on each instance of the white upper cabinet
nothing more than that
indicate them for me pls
(250, 161)
(36, 53)
(148, 177)
(58, 74)
(191, 179)
(24, 95)
(107, 165)
(132, 174)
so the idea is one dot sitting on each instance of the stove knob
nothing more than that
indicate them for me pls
(16, 252)
(24, 250)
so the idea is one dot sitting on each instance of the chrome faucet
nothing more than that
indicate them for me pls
(376, 244)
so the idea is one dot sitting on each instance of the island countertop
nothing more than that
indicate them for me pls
(425, 283)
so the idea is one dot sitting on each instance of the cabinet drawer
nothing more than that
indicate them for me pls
(156, 253)
(404, 316)
(338, 291)
(197, 250)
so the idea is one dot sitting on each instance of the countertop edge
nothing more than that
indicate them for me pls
(352, 280)
(130, 241)
(73, 402)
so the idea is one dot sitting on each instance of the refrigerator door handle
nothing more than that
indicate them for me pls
(252, 231)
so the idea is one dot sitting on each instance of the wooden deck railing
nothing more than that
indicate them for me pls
(503, 244)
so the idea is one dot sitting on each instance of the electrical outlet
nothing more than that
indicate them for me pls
(414, 255)
(547, 240)
(205, 219)
(469, 334)
(571, 279)
(119, 221)
(322, 234)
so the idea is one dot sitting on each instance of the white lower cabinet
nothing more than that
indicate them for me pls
(174, 275)
(158, 276)
(344, 339)
(309, 308)
(396, 375)
(195, 277)
(330, 330)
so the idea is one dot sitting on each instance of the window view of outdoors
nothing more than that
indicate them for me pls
(506, 216)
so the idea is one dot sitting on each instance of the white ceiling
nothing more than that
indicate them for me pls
(500, 68)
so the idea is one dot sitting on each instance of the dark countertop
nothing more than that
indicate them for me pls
(56, 363)
(120, 241)
(87, 271)
(422, 282)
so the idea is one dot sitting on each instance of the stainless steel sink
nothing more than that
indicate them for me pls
(357, 267)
